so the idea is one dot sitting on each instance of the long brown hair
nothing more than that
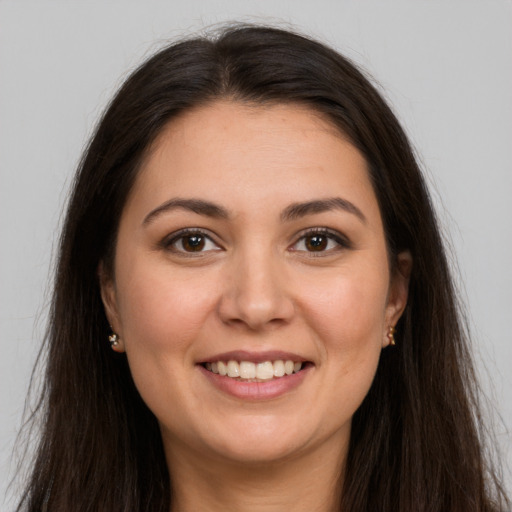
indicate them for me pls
(415, 441)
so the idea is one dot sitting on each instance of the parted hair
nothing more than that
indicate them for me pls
(416, 442)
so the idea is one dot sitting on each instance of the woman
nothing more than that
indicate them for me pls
(251, 233)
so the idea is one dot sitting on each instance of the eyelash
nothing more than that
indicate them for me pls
(169, 241)
(330, 235)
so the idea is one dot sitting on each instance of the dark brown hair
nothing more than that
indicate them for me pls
(415, 441)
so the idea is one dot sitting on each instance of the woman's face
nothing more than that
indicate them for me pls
(251, 244)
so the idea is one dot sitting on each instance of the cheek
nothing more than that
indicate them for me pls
(348, 309)
(161, 310)
(162, 314)
(347, 319)
(352, 342)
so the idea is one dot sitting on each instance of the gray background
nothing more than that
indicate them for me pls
(446, 67)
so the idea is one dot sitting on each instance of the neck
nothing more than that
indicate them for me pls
(311, 482)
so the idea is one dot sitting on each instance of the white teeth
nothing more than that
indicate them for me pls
(233, 369)
(265, 371)
(278, 368)
(248, 370)
(223, 370)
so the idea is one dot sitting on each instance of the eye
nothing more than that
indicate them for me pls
(320, 241)
(190, 241)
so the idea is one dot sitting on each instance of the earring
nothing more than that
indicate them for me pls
(114, 340)
(391, 335)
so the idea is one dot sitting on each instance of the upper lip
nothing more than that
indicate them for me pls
(255, 357)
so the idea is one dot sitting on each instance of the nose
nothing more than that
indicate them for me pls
(255, 293)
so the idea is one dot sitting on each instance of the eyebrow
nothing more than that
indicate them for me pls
(198, 206)
(291, 212)
(298, 210)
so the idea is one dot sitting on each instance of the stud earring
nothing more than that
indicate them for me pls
(114, 340)
(391, 335)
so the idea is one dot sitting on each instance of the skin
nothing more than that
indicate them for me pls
(256, 285)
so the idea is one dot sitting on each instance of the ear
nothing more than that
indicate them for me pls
(398, 292)
(109, 299)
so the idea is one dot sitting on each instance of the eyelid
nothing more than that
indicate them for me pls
(339, 238)
(173, 237)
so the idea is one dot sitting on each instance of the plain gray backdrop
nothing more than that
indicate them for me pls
(445, 66)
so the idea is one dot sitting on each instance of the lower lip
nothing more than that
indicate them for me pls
(256, 390)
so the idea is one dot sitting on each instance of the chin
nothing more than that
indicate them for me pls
(260, 441)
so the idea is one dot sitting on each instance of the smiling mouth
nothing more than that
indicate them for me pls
(247, 371)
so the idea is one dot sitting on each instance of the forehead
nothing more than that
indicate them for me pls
(249, 155)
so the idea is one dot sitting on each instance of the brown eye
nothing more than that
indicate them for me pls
(321, 240)
(193, 243)
(316, 242)
(188, 242)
